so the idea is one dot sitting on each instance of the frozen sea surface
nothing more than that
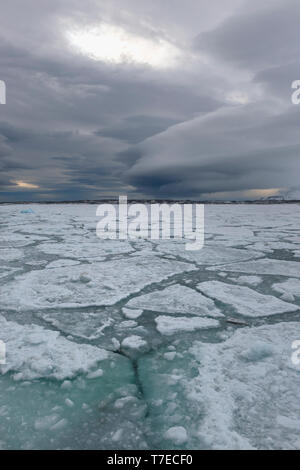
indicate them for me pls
(130, 344)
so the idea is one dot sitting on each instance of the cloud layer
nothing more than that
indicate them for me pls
(166, 99)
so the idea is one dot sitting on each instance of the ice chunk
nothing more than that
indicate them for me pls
(251, 280)
(85, 325)
(33, 352)
(176, 299)
(290, 286)
(246, 301)
(128, 324)
(177, 434)
(264, 266)
(171, 325)
(92, 248)
(134, 343)
(10, 254)
(95, 374)
(209, 254)
(132, 314)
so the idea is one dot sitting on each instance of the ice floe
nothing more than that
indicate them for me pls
(264, 266)
(176, 299)
(170, 325)
(246, 301)
(33, 352)
(289, 287)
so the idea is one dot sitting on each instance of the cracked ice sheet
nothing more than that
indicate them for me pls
(6, 271)
(238, 394)
(251, 280)
(86, 249)
(210, 254)
(246, 301)
(33, 352)
(290, 286)
(95, 284)
(171, 325)
(264, 266)
(16, 240)
(176, 299)
(85, 325)
(249, 387)
(10, 254)
(57, 394)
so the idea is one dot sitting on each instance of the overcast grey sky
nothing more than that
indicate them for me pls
(160, 98)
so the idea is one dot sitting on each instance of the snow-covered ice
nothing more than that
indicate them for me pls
(171, 325)
(290, 286)
(176, 299)
(88, 285)
(246, 301)
(141, 344)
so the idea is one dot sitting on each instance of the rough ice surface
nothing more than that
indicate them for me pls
(140, 344)
(251, 280)
(290, 286)
(170, 325)
(265, 266)
(176, 299)
(33, 352)
(87, 285)
(246, 301)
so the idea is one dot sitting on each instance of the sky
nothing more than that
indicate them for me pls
(150, 99)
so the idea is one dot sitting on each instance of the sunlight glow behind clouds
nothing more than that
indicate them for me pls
(113, 44)
(24, 185)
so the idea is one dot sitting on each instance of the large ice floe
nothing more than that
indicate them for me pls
(176, 299)
(246, 301)
(141, 344)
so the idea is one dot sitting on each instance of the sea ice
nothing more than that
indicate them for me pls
(290, 286)
(134, 344)
(33, 352)
(176, 299)
(251, 280)
(177, 434)
(132, 314)
(245, 383)
(246, 301)
(170, 325)
(228, 395)
(94, 284)
(264, 266)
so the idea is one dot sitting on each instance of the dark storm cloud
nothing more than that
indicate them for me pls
(220, 119)
(257, 39)
(135, 129)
